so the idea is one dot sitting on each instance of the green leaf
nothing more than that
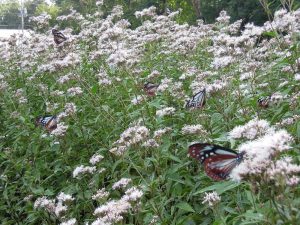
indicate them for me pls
(185, 206)
(219, 187)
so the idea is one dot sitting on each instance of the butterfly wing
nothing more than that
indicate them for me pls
(49, 122)
(197, 101)
(150, 88)
(219, 167)
(218, 161)
(58, 36)
(263, 102)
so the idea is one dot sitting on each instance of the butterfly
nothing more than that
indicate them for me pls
(58, 36)
(197, 101)
(49, 122)
(218, 161)
(264, 102)
(150, 88)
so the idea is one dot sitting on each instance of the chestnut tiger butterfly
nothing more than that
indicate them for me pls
(197, 101)
(49, 122)
(264, 102)
(58, 36)
(218, 161)
(150, 88)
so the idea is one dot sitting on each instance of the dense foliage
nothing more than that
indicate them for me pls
(118, 155)
(249, 10)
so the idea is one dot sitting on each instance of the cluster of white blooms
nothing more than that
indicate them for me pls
(159, 133)
(58, 207)
(150, 143)
(99, 2)
(72, 221)
(211, 198)
(131, 136)
(79, 170)
(133, 194)
(41, 21)
(121, 183)
(65, 78)
(96, 158)
(283, 170)
(72, 16)
(150, 12)
(70, 109)
(277, 97)
(260, 153)
(112, 211)
(288, 121)
(193, 129)
(60, 131)
(251, 130)
(64, 197)
(153, 75)
(103, 78)
(100, 195)
(19, 93)
(223, 17)
(165, 84)
(165, 111)
(137, 100)
(74, 91)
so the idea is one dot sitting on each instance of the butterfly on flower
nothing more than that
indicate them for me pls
(150, 88)
(218, 161)
(197, 101)
(58, 36)
(264, 102)
(49, 122)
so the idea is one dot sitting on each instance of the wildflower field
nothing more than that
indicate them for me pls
(119, 151)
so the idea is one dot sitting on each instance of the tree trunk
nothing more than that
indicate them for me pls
(197, 8)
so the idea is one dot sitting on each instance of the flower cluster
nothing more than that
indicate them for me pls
(211, 198)
(56, 207)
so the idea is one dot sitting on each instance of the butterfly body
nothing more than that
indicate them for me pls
(197, 101)
(150, 88)
(218, 161)
(264, 102)
(58, 36)
(49, 122)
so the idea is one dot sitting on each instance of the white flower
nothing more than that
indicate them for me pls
(121, 183)
(254, 128)
(64, 197)
(137, 100)
(211, 198)
(133, 194)
(166, 111)
(159, 133)
(60, 209)
(151, 143)
(69, 222)
(60, 130)
(70, 109)
(259, 153)
(74, 91)
(96, 158)
(101, 194)
(193, 129)
(100, 221)
(112, 211)
(43, 202)
(83, 170)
